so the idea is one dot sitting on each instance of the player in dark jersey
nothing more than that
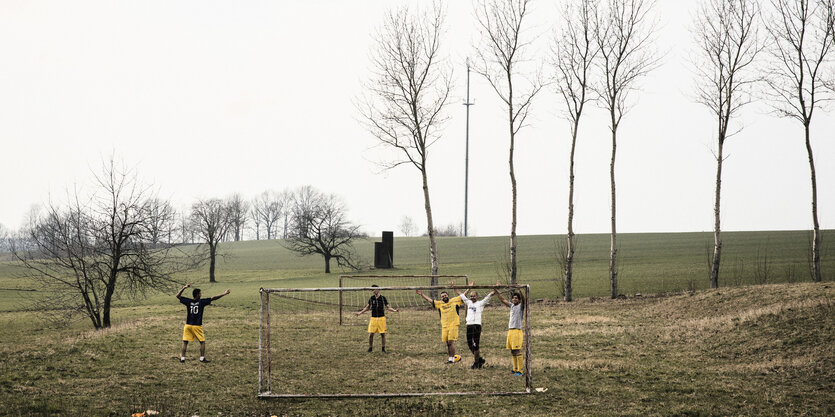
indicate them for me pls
(377, 304)
(194, 320)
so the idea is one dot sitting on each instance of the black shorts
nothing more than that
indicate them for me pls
(473, 336)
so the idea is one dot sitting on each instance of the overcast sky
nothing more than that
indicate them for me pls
(210, 98)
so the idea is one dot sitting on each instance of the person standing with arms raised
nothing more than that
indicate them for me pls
(194, 320)
(449, 320)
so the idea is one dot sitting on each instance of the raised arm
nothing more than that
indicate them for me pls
(221, 295)
(498, 294)
(465, 291)
(181, 290)
(420, 293)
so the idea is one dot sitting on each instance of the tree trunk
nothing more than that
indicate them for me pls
(109, 290)
(433, 249)
(816, 236)
(717, 240)
(513, 269)
(212, 257)
(92, 313)
(327, 264)
(108, 297)
(569, 255)
(613, 249)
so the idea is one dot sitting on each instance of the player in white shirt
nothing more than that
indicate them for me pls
(515, 338)
(474, 309)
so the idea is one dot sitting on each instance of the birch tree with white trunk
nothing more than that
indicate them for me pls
(624, 33)
(801, 46)
(573, 54)
(407, 93)
(727, 45)
(503, 59)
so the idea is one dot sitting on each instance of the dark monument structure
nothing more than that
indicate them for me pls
(384, 252)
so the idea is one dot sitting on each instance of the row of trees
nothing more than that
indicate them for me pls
(265, 217)
(599, 54)
(116, 240)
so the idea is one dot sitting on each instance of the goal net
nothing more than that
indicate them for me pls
(304, 351)
(353, 301)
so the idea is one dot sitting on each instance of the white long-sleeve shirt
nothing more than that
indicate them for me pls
(474, 309)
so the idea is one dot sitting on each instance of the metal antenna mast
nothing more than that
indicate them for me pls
(467, 150)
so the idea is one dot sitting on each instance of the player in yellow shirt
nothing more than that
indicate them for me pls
(449, 320)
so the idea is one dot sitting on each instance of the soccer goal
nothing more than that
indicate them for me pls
(304, 351)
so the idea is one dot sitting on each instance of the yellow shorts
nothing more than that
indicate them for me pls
(449, 333)
(377, 325)
(193, 332)
(515, 339)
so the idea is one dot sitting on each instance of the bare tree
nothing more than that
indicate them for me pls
(410, 87)
(161, 222)
(285, 199)
(97, 248)
(211, 221)
(319, 225)
(407, 226)
(5, 239)
(801, 38)
(500, 60)
(573, 56)
(624, 32)
(238, 210)
(269, 207)
(450, 230)
(256, 221)
(728, 43)
(186, 228)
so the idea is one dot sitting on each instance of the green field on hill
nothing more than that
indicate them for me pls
(677, 349)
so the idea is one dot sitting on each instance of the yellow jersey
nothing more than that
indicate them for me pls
(449, 312)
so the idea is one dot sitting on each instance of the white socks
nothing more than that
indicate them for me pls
(202, 358)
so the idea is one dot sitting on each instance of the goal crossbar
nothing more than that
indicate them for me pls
(396, 394)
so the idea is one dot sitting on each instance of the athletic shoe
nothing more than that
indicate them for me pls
(205, 360)
(457, 358)
(369, 350)
(475, 365)
(481, 361)
(182, 361)
(384, 350)
(519, 373)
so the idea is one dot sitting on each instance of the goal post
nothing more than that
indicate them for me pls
(305, 352)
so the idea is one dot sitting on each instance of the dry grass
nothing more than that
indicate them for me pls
(764, 350)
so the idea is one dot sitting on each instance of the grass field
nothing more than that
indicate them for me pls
(741, 350)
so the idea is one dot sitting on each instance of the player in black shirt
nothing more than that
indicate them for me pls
(377, 304)
(194, 320)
